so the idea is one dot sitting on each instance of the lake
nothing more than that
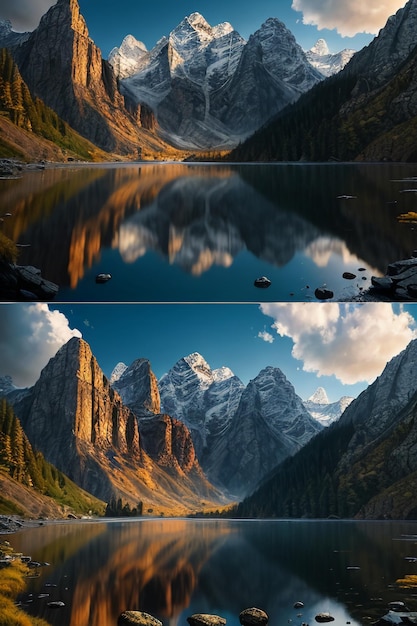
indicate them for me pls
(177, 232)
(173, 568)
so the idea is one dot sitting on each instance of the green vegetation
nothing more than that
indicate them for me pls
(32, 115)
(116, 508)
(8, 249)
(29, 468)
(12, 582)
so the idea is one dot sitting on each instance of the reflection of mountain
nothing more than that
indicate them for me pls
(197, 222)
(200, 216)
(150, 566)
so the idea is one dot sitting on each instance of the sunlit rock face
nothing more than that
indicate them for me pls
(81, 425)
(61, 64)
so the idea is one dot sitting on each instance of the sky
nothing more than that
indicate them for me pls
(343, 23)
(341, 347)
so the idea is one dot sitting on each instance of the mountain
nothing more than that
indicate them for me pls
(118, 370)
(326, 63)
(269, 425)
(362, 466)
(226, 419)
(64, 68)
(81, 425)
(207, 86)
(324, 411)
(202, 398)
(365, 112)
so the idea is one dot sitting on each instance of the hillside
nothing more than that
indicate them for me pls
(29, 129)
(29, 485)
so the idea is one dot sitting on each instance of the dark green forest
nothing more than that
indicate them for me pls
(343, 118)
(329, 478)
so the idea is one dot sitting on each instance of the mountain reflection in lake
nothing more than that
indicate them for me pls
(174, 568)
(179, 232)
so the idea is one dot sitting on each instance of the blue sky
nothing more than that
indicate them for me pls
(343, 23)
(341, 347)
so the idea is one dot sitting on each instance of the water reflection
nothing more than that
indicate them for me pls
(174, 568)
(151, 225)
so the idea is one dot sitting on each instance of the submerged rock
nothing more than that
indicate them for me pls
(206, 619)
(253, 617)
(132, 618)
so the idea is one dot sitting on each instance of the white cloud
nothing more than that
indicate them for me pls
(350, 341)
(349, 17)
(30, 334)
(265, 336)
(24, 14)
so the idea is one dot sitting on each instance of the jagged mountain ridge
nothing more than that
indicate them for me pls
(362, 466)
(324, 411)
(82, 426)
(207, 86)
(367, 112)
(226, 418)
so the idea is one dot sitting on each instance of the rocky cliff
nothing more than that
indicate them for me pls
(83, 427)
(63, 67)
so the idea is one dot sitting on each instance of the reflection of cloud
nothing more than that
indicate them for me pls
(350, 341)
(321, 250)
(265, 336)
(30, 334)
(349, 17)
(24, 14)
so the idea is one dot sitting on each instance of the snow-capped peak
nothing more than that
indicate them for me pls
(117, 372)
(222, 373)
(320, 48)
(319, 397)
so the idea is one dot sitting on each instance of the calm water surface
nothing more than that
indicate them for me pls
(181, 232)
(174, 568)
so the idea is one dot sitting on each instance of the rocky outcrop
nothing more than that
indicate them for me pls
(24, 283)
(62, 66)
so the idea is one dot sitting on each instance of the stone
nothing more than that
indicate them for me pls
(128, 618)
(253, 617)
(348, 275)
(206, 619)
(383, 283)
(324, 617)
(399, 266)
(299, 605)
(322, 293)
